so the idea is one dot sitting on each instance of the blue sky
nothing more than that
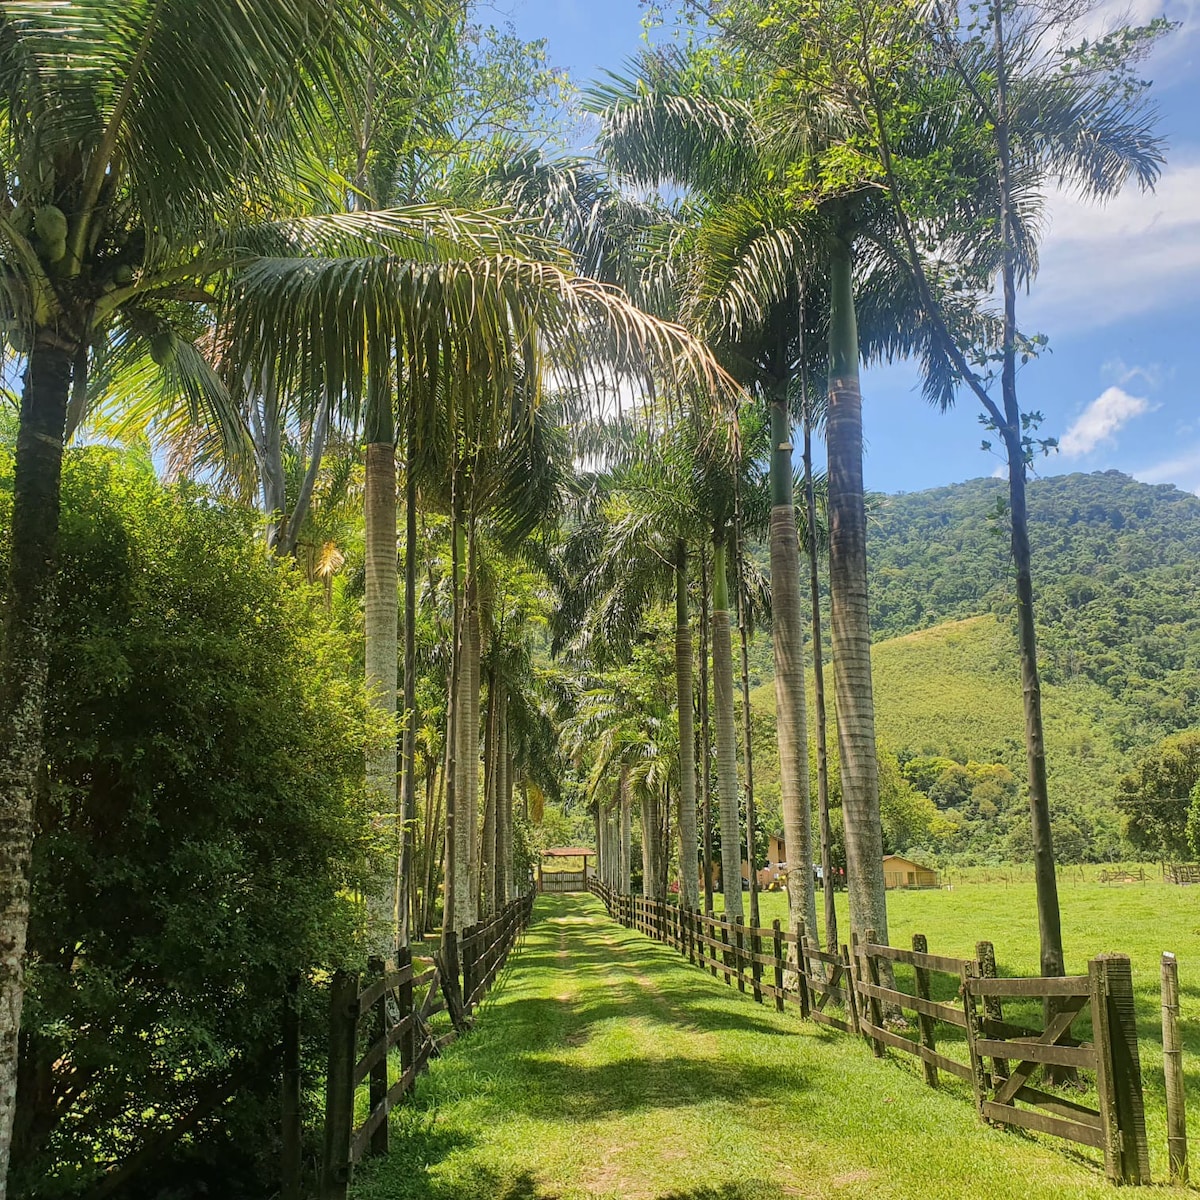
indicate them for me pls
(1118, 294)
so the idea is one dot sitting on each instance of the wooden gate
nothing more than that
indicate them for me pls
(1117, 1125)
(563, 881)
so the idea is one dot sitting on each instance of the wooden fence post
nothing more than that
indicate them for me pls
(739, 942)
(725, 951)
(711, 932)
(755, 964)
(376, 967)
(408, 1040)
(1177, 1152)
(993, 1007)
(873, 1005)
(291, 1148)
(777, 951)
(1118, 1070)
(979, 1081)
(802, 970)
(920, 945)
(851, 992)
(339, 1086)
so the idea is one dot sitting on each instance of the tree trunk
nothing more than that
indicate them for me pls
(810, 501)
(29, 618)
(649, 842)
(454, 852)
(381, 618)
(503, 850)
(408, 747)
(515, 885)
(705, 757)
(490, 793)
(688, 880)
(743, 614)
(723, 703)
(1053, 961)
(787, 623)
(625, 851)
(851, 627)
(467, 751)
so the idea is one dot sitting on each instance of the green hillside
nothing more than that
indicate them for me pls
(1117, 573)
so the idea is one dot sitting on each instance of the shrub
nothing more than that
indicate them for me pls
(197, 837)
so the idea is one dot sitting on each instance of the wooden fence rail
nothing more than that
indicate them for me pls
(957, 1024)
(388, 1010)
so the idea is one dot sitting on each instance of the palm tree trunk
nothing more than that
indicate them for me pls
(787, 623)
(705, 756)
(727, 778)
(743, 606)
(851, 628)
(1053, 960)
(467, 753)
(408, 747)
(810, 502)
(688, 883)
(471, 729)
(490, 793)
(381, 619)
(455, 855)
(649, 838)
(503, 847)
(510, 873)
(28, 620)
(625, 850)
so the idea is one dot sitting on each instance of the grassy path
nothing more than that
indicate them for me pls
(607, 1067)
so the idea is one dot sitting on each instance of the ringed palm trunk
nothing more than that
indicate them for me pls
(850, 626)
(381, 617)
(490, 792)
(705, 740)
(29, 616)
(503, 847)
(408, 754)
(1049, 916)
(810, 500)
(625, 850)
(514, 885)
(688, 880)
(649, 842)
(791, 722)
(467, 738)
(723, 712)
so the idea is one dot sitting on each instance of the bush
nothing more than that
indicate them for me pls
(197, 838)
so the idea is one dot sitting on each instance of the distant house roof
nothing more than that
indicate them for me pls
(568, 852)
(899, 858)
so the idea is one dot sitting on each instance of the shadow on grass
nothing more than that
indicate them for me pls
(753, 1189)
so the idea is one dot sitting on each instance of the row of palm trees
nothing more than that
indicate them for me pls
(259, 232)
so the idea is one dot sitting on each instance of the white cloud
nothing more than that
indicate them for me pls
(1138, 253)
(1110, 412)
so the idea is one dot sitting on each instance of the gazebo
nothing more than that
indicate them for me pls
(563, 878)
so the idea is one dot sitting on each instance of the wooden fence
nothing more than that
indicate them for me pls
(952, 1020)
(1184, 872)
(386, 1010)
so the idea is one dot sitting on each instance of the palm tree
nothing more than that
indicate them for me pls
(1016, 105)
(728, 137)
(630, 553)
(133, 138)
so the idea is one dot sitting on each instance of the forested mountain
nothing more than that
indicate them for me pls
(1117, 577)
(1116, 570)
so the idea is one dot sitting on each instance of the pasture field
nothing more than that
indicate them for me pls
(1138, 919)
(605, 1067)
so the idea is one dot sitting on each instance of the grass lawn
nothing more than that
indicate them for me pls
(604, 1066)
(1141, 920)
